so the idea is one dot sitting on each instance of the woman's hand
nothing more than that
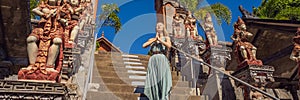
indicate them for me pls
(167, 42)
(159, 39)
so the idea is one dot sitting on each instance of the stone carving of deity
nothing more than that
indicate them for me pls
(177, 26)
(295, 56)
(210, 31)
(190, 25)
(244, 49)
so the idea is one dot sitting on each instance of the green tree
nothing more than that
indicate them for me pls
(278, 9)
(109, 16)
(97, 45)
(33, 4)
(221, 11)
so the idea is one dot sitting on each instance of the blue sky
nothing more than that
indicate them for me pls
(138, 19)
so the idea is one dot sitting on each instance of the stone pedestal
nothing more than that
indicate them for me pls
(217, 57)
(257, 75)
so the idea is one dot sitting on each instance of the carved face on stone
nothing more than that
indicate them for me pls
(242, 27)
(177, 16)
(208, 19)
(241, 24)
(74, 2)
(189, 14)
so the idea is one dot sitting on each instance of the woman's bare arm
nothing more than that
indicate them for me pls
(150, 41)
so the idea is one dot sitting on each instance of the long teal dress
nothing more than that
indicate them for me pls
(158, 79)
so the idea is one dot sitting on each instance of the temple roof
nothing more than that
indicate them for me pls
(107, 42)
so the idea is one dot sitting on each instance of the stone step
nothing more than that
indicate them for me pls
(138, 83)
(124, 73)
(134, 77)
(110, 65)
(108, 57)
(176, 84)
(187, 97)
(135, 67)
(117, 69)
(112, 80)
(144, 61)
(112, 96)
(116, 88)
(111, 69)
(131, 59)
(12, 77)
(176, 90)
(183, 91)
(144, 65)
(108, 71)
(136, 72)
(130, 56)
(113, 74)
(117, 74)
(180, 84)
(144, 57)
(132, 63)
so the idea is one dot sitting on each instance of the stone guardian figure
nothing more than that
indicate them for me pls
(244, 49)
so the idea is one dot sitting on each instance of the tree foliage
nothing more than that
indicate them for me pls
(33, 4)
(97, 45)
(191, 5)
(221, 11)
(110, 16)
(279, 9)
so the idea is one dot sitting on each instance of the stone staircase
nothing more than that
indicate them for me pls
(119, 76)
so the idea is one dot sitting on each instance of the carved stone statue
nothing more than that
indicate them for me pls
(244, 49)
(54, 34)
(49, 34)
(177, 25)
(255, 95)
(210, 31)
(70, 14)
(190, 25)
(295, 56)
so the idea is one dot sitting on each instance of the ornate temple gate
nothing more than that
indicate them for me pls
(187, 49)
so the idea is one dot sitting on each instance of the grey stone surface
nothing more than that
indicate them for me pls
(15, 26)
(2, 52)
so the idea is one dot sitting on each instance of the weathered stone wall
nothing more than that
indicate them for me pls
(15, 27)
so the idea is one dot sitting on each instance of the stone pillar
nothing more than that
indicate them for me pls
(170, 12)
(217, 57)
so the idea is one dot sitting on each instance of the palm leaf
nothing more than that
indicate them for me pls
(110, 16)
(221, 12)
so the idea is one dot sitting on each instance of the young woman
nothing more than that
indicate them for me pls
(158, 79)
